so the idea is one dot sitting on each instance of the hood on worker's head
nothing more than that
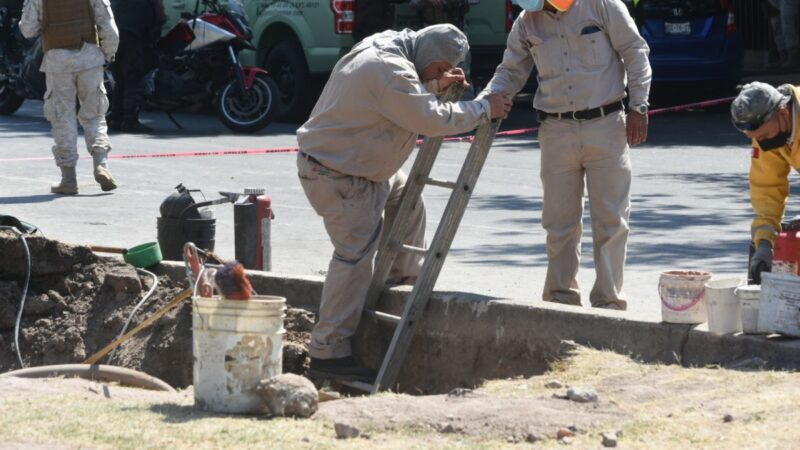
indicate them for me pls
(443, 42)
(755, 105)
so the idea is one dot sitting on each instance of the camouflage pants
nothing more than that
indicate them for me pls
(59, 109)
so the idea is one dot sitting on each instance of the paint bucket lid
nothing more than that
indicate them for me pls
(144, 255)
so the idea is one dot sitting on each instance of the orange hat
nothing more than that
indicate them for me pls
(561, 5)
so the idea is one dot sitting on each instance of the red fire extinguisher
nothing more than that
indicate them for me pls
(786, 256)
(252, 222)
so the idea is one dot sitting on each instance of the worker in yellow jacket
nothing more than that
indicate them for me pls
(768, 116)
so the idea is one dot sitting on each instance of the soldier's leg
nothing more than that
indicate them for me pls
(608, 177)
(92, 116)
(59, 109)
(562, 176)
(406, 266)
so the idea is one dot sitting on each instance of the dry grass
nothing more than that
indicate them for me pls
(670, 408)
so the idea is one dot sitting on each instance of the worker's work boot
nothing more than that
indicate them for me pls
(346, 369)
(101, 173)
(68, 184)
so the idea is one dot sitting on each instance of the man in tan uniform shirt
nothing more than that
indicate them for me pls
(79, 36)
(361, 131)
(583, 54)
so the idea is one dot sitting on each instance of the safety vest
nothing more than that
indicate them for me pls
(67, 24)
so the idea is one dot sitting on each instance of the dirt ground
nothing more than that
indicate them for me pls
(78, 302)
(646, 406)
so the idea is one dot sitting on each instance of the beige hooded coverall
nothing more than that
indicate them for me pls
(582, 57)
(75, 73)
(361, 131)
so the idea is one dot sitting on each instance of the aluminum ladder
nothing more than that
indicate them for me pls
(436, 252)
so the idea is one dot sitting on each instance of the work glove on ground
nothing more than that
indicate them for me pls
(761, 261)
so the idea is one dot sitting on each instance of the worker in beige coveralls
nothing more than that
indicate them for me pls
(379, 97)
(582, 51)
(78, 37)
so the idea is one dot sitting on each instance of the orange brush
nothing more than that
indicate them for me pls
(232, 282)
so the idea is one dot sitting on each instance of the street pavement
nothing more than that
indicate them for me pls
(690, 208)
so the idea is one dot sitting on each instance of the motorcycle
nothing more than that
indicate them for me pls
(20, 59)
(198, 66)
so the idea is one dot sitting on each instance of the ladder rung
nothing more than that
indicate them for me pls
(417, 250)
(383, 316)
(440, 183)
(360, 385)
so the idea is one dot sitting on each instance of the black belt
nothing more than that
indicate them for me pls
(586, 114)
(310, 158)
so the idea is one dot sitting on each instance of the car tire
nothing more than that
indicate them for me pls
(287, 66)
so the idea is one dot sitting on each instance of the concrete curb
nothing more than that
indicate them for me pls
(467, 338)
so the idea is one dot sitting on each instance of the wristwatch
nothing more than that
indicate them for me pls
(641, 108)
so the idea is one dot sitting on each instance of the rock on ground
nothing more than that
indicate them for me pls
(344, 431)
(289, 395)
(581, 395)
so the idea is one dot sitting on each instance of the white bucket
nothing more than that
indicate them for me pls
(683, 296)
(748, 300)
(724, 312)
(779, 308)
(236, 344)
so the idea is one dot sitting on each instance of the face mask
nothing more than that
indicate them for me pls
(774, 143)
(531, 5)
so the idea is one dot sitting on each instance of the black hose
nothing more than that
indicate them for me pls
(24, 290)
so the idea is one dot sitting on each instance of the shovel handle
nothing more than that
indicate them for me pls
(146, 323)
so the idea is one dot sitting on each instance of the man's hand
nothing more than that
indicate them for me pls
(454, 75)
(761, 261)
(636, 128)
(501, 105)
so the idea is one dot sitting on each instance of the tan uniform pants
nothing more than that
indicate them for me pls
(59, 109)
(352, 209)
(594, 151)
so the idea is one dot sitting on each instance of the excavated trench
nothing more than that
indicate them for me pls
(77, 302)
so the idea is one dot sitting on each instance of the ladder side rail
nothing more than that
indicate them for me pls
(391, 243)
(418, 300)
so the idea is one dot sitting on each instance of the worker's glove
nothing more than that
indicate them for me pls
(761, 261)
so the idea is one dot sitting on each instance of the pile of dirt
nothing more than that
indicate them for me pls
(78, 302)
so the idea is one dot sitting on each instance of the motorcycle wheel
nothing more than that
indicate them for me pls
(248, 112)
(9, 101)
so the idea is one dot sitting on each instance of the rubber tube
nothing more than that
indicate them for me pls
(96, 372)
(24, 291)
(135, 309)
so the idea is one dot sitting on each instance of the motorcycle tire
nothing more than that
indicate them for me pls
(251, 111)
(10, 102)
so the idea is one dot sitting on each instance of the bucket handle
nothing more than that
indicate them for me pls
(691, 304)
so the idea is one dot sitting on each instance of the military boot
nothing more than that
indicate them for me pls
(68, 184)
(101, 173)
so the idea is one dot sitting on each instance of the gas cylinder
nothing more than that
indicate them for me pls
(252, 221)
(786, 256)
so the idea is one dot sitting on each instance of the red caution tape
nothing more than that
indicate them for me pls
(261, 151)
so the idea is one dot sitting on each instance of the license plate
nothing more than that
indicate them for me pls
(680, 28)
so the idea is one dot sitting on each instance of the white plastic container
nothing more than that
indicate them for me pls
(236, 344)
(748, 300)
(779, 308)
(683, 296)
(722, 306)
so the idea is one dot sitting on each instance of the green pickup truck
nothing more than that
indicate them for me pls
(299, 41)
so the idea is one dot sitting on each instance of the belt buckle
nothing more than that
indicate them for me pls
(573, 115)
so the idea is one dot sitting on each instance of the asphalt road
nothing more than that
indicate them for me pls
(690, 200)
